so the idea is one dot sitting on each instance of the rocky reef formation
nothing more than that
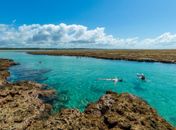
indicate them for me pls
(4, 65)
(165, 56)
(21, 103)
(113, 111)
(23, 106)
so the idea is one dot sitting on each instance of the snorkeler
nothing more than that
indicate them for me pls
(115, 80)
(141, 76)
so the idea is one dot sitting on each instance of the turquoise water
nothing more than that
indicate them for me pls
(75, 79)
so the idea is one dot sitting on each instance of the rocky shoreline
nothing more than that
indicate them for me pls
(164, 56)
(22, 107)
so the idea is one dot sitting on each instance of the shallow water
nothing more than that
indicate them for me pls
(75, 79)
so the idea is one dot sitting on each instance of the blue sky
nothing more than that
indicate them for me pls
(120, 18)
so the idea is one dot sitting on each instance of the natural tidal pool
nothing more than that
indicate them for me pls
(75, 79)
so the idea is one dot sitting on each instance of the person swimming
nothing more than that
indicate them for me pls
(141, 76)
(115, 80)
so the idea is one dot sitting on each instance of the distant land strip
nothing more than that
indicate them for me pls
(164, 56)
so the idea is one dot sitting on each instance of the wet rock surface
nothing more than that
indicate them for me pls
(24, 106)
(4, 65)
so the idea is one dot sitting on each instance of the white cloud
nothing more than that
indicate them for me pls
(62, 35)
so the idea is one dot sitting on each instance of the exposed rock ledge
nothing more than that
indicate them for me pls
(22, 108)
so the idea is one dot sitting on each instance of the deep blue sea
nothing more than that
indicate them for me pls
(75, 79)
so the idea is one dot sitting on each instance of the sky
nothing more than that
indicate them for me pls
(123, 24)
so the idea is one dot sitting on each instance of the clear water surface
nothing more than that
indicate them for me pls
(75, 79)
